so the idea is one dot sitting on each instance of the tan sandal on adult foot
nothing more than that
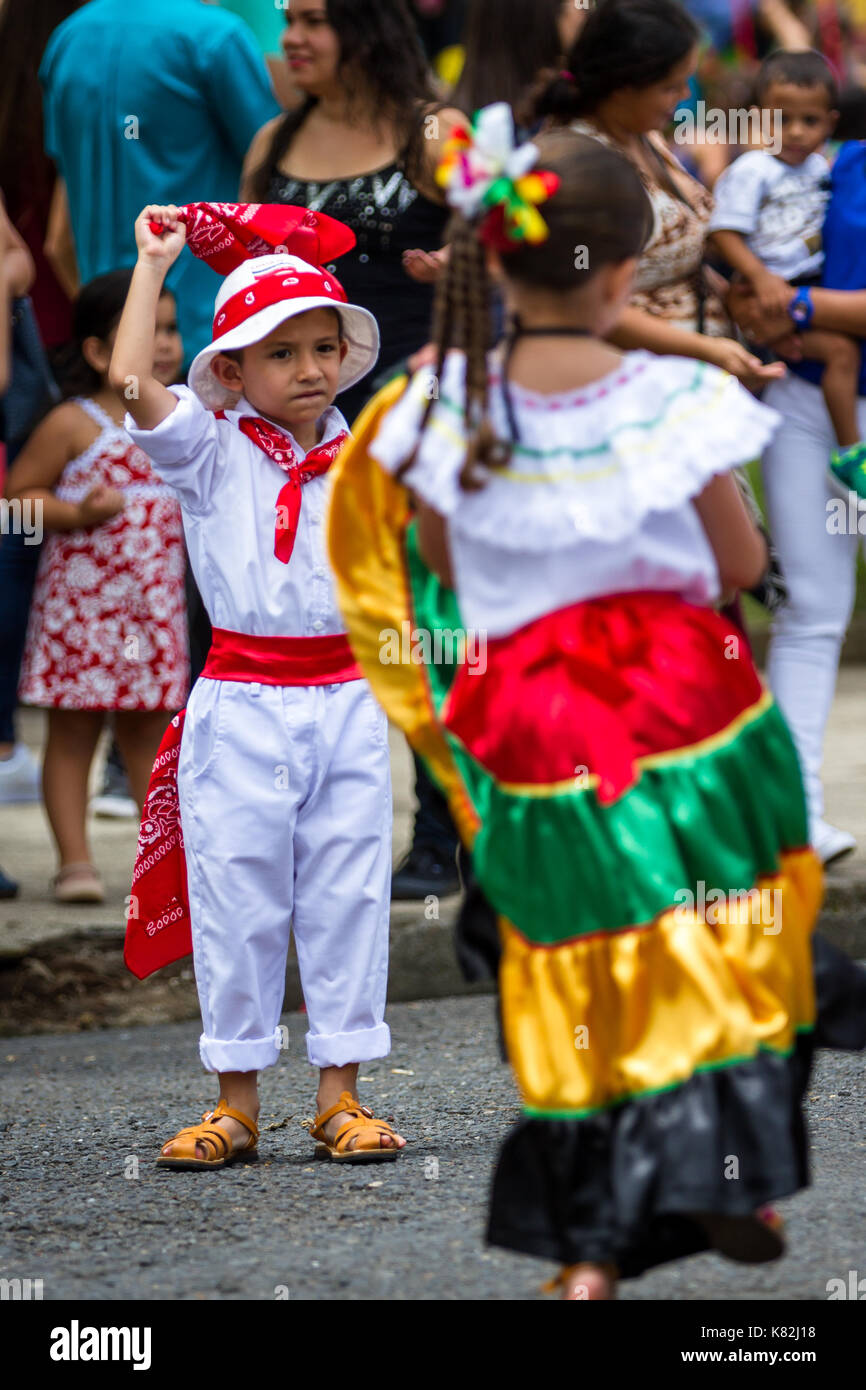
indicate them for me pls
(78, 883)
(751, 1240)
(584, 1283)
(214, 1139)
(363, 1127)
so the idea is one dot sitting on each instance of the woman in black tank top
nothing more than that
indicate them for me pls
(362, 147)
(388, 215)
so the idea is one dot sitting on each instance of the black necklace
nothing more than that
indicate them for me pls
(518, 331)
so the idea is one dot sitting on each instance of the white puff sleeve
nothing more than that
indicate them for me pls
(184, 449)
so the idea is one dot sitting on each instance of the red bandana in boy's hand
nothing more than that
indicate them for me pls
(158, 927)
(227, 234)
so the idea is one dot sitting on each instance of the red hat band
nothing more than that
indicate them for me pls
(272, 289)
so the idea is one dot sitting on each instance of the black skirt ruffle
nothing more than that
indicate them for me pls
(619, 1185)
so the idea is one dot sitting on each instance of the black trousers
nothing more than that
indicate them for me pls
(434, 828)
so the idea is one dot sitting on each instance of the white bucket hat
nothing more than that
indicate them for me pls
(263, 293)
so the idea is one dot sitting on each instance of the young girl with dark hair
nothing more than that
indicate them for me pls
(362, 148)
(629, 790)
(108, 622)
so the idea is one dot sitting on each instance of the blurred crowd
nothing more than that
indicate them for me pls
(105, 107)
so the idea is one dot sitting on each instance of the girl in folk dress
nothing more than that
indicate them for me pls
(108, 625)
(630, 792)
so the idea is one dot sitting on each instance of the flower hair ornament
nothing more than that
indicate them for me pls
(490, 178)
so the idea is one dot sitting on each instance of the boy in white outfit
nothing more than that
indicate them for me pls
(283, 774)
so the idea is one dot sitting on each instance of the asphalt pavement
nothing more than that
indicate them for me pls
(84, 1209)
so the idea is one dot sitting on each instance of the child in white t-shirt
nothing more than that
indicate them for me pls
(769, 216)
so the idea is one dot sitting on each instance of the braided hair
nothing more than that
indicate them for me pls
(600, 208)
(461, 320)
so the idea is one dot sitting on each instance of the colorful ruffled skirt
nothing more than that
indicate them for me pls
(633, 802)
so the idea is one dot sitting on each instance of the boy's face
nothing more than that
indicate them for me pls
(167, 346)
(292, 375)
(807, 120)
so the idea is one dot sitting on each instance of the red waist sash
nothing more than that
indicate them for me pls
(235, 656)
(158, 924)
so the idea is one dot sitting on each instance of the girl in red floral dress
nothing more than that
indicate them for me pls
(108, 623)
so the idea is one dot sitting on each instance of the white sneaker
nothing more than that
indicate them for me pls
(19, 776)
(114, 806)
(831, 844)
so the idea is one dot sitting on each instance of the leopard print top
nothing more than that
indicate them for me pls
(669, 277)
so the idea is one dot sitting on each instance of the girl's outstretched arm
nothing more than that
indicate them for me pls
(131, 371)
(636, 328)
(740, 549)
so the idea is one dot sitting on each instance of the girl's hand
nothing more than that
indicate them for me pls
(425, 266)
(427, 356)
(748, 369)
(100, 504)
(160, 250)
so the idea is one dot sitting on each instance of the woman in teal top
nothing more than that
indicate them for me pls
(157, 104)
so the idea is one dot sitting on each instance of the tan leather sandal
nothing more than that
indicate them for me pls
(213, 1137)
(78, 883)
(363, 1126)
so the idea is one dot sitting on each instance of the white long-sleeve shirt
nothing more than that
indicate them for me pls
(228, 488)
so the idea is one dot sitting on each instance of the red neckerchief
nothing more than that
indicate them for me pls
(278, 446)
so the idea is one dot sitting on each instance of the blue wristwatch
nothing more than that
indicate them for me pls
(801, 308)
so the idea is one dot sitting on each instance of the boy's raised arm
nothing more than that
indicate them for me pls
(131, 370)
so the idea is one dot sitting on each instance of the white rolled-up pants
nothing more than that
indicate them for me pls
(820, 567)
(285, 798)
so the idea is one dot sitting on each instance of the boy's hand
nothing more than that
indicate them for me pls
(162, 250)
(100, 504)
(773, 293)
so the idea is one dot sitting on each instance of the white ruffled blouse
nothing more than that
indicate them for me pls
(598, 496)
